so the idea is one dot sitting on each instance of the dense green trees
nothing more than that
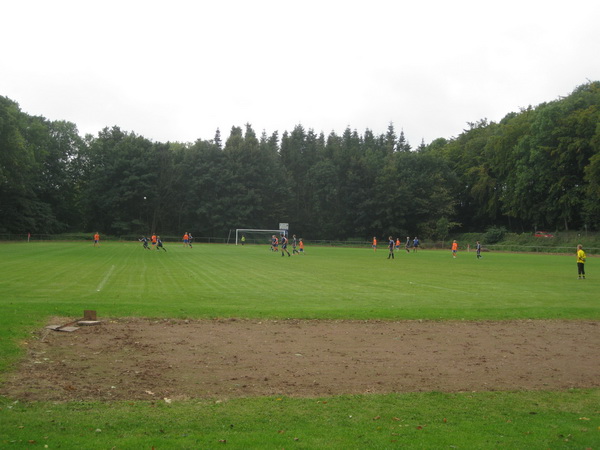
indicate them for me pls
(534, 169)
(538, 168)
(38, 172)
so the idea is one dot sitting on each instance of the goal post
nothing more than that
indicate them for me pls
(255, 236)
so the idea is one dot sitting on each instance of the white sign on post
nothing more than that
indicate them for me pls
(284, 226)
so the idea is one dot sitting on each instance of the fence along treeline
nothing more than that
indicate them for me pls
(538, 168)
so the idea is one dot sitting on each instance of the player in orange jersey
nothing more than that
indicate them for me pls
(454, 249)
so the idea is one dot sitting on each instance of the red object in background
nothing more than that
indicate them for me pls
(543, 234)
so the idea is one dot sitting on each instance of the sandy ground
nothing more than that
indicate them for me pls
(128, 359)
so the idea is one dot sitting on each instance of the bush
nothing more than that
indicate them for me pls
(494, 235)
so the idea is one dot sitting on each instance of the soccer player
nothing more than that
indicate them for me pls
(243, 239)
(153, 240)
(97, 239)
(186, 239)
(301, 245)
(454, 248)
(397, 244)
(580, 262)
(478, 250)
(407, 245)
(415, 244)
(144, 241)
(294, 244)
(374, 244)
(391, 247)
(190, 239)
(284, 242)
(159, 244)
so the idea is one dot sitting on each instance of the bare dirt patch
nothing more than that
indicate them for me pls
(128, 359)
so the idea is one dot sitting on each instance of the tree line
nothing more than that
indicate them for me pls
(536, 168)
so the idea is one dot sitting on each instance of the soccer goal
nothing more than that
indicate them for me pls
(253, 236)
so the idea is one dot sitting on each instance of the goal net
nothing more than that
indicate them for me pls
(253, 236)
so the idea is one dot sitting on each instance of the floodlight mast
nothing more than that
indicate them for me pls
(252, 230)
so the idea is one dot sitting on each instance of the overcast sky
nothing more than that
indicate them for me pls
(178, 70)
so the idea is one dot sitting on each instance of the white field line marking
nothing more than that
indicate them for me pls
(106, 277)
(440, 287)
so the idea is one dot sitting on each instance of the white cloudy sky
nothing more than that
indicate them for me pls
(178, 70)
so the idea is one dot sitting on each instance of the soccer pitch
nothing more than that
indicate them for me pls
(121, 279)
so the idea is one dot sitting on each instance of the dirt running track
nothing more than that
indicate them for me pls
(128, 359)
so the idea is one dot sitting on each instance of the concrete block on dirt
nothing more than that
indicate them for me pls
(88, 323)
(62, 328)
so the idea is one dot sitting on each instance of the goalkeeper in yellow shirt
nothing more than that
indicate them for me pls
(580, 262)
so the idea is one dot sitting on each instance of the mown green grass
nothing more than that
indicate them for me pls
(121, 279)
(428, 420)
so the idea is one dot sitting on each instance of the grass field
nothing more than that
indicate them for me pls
(121, 279)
